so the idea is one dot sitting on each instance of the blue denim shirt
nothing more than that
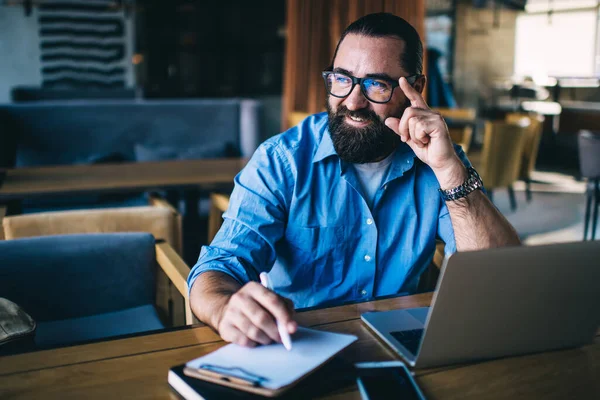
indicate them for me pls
(297, 212)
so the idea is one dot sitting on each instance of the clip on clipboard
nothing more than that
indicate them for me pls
(268, 370)
(235, 375)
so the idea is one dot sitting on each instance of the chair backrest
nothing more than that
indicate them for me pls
(589, 154)
(218, 205)
(295, 117)
(3, 210)
(501, 154)
(531, 147)
(462, 137)
(161, 222)
(72, 276)
(457, 113)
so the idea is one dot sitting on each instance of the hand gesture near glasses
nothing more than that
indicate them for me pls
(425, 131)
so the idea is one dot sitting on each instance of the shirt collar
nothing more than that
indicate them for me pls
(325, 148)
(404, 159)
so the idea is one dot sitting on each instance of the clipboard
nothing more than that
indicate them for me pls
(269, 370)
(225, 378)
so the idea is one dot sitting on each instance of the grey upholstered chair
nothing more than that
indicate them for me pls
(589, 164)
(84, 287)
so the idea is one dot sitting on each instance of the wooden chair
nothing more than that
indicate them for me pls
(160, 219)
(463, 135)
(2, 215)
(457, 113)
(218, 205)
(295, 117)
(501, 156)
(531, 146)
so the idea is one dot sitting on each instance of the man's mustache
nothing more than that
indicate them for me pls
(362, 114)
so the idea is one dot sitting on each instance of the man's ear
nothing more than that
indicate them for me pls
(420, 83)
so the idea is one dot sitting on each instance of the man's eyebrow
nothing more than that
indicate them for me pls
(385, 77)
(342, 71)
(376, 76)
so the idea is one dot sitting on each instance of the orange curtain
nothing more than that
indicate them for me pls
(313, 30)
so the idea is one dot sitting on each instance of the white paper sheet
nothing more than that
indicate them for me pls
(279, 367)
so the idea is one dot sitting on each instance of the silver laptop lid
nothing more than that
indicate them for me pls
(513, 300)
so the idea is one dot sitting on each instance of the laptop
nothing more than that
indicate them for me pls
(500, 302)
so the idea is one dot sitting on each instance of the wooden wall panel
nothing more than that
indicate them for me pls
(313, 30)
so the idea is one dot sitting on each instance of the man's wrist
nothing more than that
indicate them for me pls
(471, 184)
(452, 176)
(217, 315)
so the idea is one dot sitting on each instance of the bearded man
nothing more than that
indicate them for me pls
(346, 206)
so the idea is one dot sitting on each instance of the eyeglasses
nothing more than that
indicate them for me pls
(377, 90)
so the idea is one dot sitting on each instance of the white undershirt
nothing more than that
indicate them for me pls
(370, 176)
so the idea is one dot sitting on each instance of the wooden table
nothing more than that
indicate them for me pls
(137, 367)
(20, 183)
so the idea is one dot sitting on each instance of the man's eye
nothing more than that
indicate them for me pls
(342, 79)
(381, 85)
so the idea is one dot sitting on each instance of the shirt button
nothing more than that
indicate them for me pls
(369, 221)
(363, 292)
(367, 258)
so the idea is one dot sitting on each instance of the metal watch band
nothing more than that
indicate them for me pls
(472, 183)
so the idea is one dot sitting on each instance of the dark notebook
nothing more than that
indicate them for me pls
(335, 375)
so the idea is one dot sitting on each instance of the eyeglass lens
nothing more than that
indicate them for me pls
(374, 89)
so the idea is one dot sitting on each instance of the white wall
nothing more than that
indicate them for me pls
(483, 52)
(19, 50)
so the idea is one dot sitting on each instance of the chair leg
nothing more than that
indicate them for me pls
(596, 204)
(528, 189)
(513, 199)
(589, 194)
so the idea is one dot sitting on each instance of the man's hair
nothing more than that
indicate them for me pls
(385, 24)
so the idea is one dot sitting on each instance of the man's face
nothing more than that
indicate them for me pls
(356, 125)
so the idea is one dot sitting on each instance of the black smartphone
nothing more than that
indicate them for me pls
(386, 380)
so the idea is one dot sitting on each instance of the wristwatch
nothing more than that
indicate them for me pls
(472, 183)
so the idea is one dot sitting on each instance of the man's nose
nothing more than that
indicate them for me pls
(356, 100)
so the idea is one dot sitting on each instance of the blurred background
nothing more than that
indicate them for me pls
(120, 83)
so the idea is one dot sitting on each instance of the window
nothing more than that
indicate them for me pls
(558, 41)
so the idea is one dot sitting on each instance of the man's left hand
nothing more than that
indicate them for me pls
(425, 131)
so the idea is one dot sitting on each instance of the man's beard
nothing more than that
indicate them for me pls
(361, 145)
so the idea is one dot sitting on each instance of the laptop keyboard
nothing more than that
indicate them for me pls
(409, 339)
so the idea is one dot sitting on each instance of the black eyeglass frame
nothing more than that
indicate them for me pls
(359, 81)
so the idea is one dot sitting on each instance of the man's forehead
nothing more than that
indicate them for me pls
(370, 55)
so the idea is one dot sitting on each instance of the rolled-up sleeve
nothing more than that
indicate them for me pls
(254, 221)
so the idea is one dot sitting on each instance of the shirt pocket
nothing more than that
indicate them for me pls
(319, 253)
